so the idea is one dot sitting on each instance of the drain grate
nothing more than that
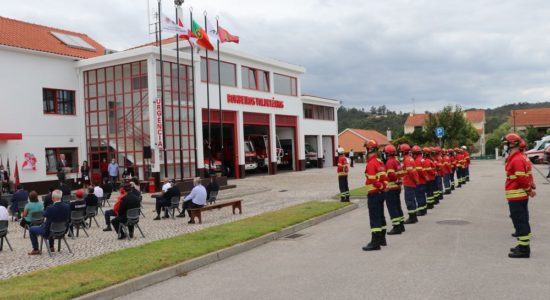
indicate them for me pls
(282, 191)
(294, 236)
(453, 222)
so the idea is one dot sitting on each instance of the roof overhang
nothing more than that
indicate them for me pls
(10, 136)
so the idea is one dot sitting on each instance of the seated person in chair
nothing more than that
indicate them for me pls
(165, 198)
(57, 212)
(91, 198)
(33, 206)
(114, 212)
(129, 201)
(20, 195)
(4, 215)
(196, 199)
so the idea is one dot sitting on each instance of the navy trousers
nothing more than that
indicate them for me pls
(393, 203)
(420, 195)
(447, 182)
(375, 203)
(343, 185)
(519, 211)
(410, 200)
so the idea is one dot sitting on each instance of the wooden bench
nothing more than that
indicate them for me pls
(196, 213)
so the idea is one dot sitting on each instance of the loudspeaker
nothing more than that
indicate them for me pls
(147, 152)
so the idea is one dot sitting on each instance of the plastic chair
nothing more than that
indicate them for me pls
(174, 204)
(132, 219)
(78, 220)
(4, 235)
(37, 218)
(212, 198)
(91, 213)
(57, 232)
(105, 199)
(141, 205)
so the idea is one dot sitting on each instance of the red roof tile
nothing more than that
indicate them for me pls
(353, 138)
(25, 35)
(416, 120)
(530, 117)
(475, 116)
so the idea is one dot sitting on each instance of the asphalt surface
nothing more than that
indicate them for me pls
(430, 260)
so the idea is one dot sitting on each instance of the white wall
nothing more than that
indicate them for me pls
(24, 74)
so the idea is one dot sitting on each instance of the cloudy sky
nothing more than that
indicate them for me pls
(476, 53)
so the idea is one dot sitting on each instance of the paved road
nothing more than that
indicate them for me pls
(429, 261)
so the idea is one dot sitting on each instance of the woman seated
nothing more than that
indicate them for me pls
(34, 205)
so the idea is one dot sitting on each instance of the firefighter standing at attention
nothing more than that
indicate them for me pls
(428, 168)
(410, 180)
(420, 191)
(343, 170)
(446, 172)
(377, 184)
(438, 159)
(466, 164)
(393, 199)
(452, 160)
(518, 190)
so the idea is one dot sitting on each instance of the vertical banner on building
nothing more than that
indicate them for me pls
(158, 124)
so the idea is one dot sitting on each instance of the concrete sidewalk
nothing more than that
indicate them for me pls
(434, 259)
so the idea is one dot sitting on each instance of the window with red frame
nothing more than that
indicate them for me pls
(285, 85)
(59, 102)
(52, 157)
(255, 79)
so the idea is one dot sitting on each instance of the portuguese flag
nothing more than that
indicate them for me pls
(200, 35)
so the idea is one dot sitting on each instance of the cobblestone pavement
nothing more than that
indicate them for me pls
(259, 193)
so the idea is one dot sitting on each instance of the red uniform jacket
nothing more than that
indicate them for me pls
(518, 182)
(342, 166)
(375, 171)
(453, 163)
(429, 168)
(446, 165)
(466, 159)
(393, 169)
(439, 164)
(460, 160)
(419, 162)
(410, 176)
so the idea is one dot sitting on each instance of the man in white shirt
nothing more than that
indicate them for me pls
(4, 216)
(98, 192)
(196, 199)
(167, 185)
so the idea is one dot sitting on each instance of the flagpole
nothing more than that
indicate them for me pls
(208, 100)
(178, 4)
(193, 94)
(162, 93)
(220, 95)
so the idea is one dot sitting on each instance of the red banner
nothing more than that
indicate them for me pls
(245, 100)
(158, 124)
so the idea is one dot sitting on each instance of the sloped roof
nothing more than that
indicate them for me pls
(530, 117)
(30, 36)
(353, 138)
(476, 116)
(416, 120)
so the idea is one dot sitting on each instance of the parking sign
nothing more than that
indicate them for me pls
(439, 132)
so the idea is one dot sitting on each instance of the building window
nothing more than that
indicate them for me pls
(228, 72)
(318, 112)
(60, 102)
(285, 85)
(255, 79)
(53, 157)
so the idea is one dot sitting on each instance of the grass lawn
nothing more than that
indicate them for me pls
(78, 278)
(359, 192)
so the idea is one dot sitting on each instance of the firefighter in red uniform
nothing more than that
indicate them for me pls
(459, 167)
(410, 180)
(452, 159)
(438, 159)
(522, 146)
(446, 172)
(393, 201)
(466, 164)
(377, 185)
(343, 170)
(518, 190)
(420, 190)
(428, 168)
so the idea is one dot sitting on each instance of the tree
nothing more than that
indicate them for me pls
(494, 140)
(458, 130)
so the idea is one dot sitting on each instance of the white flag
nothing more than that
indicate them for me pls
(168, 25)
(212, 32)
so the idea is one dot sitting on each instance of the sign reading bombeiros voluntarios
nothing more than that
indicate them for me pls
(158, 124)
(246, 100)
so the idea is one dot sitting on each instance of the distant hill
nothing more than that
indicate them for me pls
(381, 119)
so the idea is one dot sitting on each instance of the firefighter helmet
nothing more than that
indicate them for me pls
(451, 151)
(512, 140)
(404, 148)
(371, 145)
(416, 149)
(390, 149)
(426, 150)
(437, 150)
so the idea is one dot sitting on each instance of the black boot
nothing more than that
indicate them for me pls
(520, 252)
(452, 188)
(515, 235)
(396, 229)
(402, 226)
(412, 219)
(448, 192)
(383, 238)
(422, 212)
(430, 206)
(374, 243)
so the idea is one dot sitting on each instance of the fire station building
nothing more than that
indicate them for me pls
(64, 93)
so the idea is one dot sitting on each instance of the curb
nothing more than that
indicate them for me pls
(155, 277)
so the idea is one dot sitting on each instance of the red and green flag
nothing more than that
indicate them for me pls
(226, 37)
(199, 35)
(16, 174)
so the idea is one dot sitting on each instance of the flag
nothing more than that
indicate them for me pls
(201, 37)
(170, 26)
(212, 31)
(16, 174)
(183, 36)
(225, 36)
(8, 166)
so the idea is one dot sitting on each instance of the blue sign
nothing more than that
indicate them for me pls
(439, 132)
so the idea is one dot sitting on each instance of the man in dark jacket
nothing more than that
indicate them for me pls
(128, 202)
(166, 199)
(47, 200)
(21, 195)
(57, 212)
(91, 198)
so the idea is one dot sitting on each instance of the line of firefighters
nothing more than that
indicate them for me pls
(425, 173)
